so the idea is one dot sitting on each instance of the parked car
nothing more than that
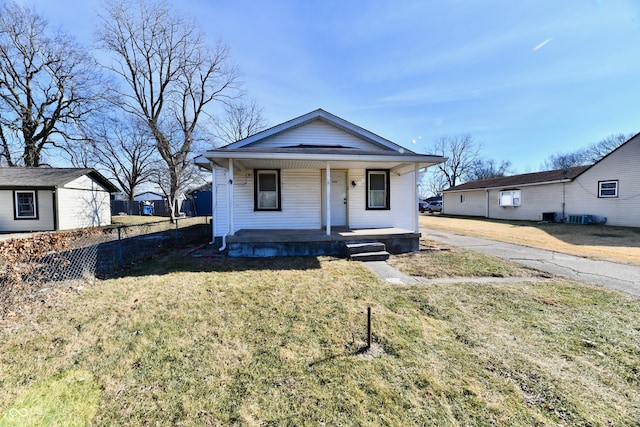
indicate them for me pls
(422, 206)
(433, 207)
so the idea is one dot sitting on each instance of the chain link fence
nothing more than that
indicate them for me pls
(28, 264)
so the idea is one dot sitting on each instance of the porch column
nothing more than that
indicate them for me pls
(214, 197)
(230, 193)
(416, 216)
(327, 202)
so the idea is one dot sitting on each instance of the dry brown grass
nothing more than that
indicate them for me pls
(618, 244)
(437, 260)
(180, 341)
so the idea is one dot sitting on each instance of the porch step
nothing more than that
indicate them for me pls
(371, 251)
(370, 256)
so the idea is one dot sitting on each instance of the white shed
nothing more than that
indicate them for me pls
(47, 199)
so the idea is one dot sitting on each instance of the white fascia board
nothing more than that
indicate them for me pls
(212, 155)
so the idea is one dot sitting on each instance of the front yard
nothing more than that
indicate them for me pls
(186, 341)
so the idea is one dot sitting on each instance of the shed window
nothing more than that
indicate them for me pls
(25, 205)
(267, 190)
(378, 189)
(608, 189)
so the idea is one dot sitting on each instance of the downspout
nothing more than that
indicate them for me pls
(487, 203)
(229, 207)
(416, 201)
(214, 197)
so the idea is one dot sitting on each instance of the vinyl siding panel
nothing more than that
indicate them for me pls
(535, 200)
(45, 213)
(220, 203)
(474, 203)
(621, 165)
(83, 203)
(316, 133)
(402, 212)
(300, 198)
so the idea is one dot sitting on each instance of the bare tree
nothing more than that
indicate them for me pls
(600, 149)
(240, 120)
(461, 152)
(485, 169)
(47, 83)
(170, 76)
(125, 148)
(585, 156)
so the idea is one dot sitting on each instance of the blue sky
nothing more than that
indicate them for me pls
(526, 78)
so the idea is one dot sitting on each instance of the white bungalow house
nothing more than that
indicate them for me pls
(606, 192)
(48, 199)
(307, 186)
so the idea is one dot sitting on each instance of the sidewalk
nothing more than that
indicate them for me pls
(621, 277)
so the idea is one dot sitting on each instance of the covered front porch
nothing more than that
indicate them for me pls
(315, 242)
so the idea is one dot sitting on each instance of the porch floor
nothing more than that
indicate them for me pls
(286, 242)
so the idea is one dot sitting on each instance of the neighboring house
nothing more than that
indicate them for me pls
(198, 201)
(319, 173)
(47, 199)
(148, 196)
(608, 190)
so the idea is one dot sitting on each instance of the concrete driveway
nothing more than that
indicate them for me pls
(622, 277)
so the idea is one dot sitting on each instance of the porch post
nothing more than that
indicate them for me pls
(230, 192)
(416, 216)
(214, 197)
(327, 202)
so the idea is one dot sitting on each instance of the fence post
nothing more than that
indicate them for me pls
(120, 255)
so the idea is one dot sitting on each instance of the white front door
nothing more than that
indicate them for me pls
(338, 199)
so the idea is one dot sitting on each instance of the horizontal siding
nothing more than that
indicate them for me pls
(302, 202)
(82, 183)
(534, 201)
(83, 208)
(220, 203)
(316, 133)
(474, 203)
(300, 198)
(402, 212)
(45, 213)
(621, 165)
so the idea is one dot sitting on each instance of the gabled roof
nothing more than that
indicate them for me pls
(524, 179)
(45, 178)
(250, 153)
(325, 117)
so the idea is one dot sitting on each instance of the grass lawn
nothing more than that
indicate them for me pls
(184, 341)
(609, 243)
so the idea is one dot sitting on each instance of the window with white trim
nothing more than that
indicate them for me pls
(510, 198)
(607, 189)
(267, 190)
(25, 204)
(378, 189)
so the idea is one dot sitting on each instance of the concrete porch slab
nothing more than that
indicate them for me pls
(285, 242)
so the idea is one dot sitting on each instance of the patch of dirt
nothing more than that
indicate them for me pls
(372, 352)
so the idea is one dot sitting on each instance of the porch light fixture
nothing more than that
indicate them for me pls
(353, 184)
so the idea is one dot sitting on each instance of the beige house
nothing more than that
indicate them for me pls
(48, 199)
(606, 192)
